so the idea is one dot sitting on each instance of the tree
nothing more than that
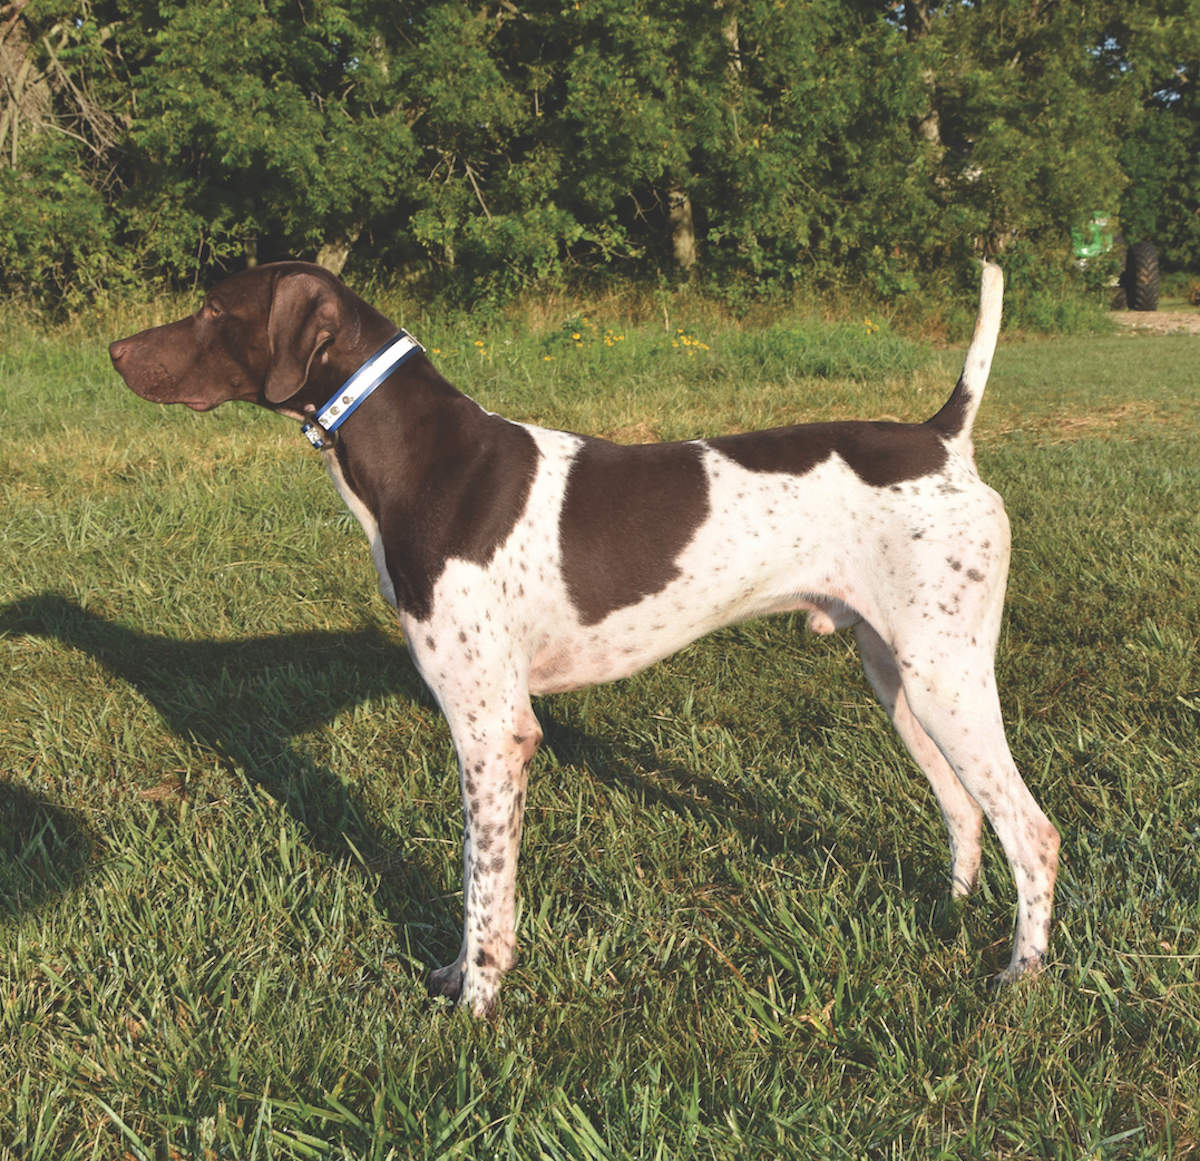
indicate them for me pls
(479, 178)
(1041, 107)
(815, 170)
(56, 139)
(257, 127)
(496, 144)
(1161, 204)
(1157, 47)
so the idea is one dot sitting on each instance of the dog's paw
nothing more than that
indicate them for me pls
(478, 991)
(1026, 968)
(447, 981)
(481, 995)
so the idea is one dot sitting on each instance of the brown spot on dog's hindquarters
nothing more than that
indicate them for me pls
(880, 454)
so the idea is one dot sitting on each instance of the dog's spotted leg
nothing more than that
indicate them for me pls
(960, 811)
(957, 704)
(492, 771)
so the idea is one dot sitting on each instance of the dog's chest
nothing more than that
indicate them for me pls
(368, 523)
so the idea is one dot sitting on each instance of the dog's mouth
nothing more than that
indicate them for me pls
(165, 400)
(154, 382)
(162, 395)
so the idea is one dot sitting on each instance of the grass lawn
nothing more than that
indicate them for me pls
(229, 825)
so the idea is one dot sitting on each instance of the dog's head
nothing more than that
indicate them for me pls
(283, 335)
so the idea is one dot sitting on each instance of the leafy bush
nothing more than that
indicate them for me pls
(56, 235)
(1048, 293)
(817, 145)
(1163, 164)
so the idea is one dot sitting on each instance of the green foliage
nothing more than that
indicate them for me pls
(56, 235)
(807, 174)
(255, 124)
(1161, 204)
(1029, 118)
(493, 148)
(1042, 290)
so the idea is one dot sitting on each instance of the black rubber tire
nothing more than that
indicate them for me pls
(1141, 276)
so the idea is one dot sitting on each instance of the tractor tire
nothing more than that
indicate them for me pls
(1141, 276)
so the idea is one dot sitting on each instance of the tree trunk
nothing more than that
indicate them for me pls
(333, 254)
(27, 106)
(916, 28)
(683, 229)
(929, 125)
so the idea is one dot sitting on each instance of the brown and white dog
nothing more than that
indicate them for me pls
(526, 561)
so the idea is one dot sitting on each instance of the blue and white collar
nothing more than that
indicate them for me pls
(355, 390)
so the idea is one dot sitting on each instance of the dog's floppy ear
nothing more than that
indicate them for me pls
(304, 318)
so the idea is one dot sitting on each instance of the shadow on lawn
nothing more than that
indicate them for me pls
(44, 850)
(246, 699)
(243, 700)
(638, 770)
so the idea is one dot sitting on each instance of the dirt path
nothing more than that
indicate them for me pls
(1160, 322)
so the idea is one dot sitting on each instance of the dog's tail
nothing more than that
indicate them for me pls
(958, 414)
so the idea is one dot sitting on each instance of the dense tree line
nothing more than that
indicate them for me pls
(757, 142)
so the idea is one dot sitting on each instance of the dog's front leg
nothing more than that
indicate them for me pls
(492, 761)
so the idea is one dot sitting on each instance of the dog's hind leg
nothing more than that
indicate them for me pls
(954, 699)
(960, 811)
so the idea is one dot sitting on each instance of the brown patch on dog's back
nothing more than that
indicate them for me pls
(627, 514)
(880, 454)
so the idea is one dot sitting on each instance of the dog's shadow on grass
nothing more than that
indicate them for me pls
(244, 701)
(44, 849)
(639, 771)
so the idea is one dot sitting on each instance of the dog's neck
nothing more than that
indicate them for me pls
(413, 418)
(439, 477)
(388, 437)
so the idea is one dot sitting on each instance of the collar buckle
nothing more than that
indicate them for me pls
(316, 435)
